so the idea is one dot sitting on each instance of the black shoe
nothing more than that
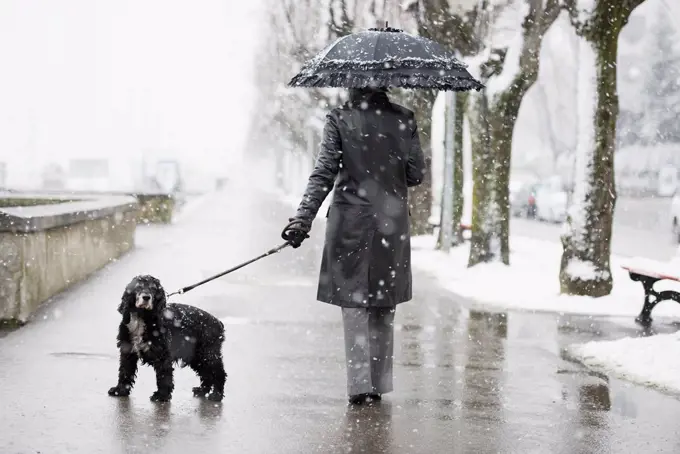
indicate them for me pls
(359, 399)
(365, 398)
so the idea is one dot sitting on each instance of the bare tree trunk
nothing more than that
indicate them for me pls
(484, 211)
(493, 113)
(585, 267)
(491, 163)
(420, 197)
(458, 170)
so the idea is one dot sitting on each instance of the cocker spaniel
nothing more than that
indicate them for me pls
(161, 334)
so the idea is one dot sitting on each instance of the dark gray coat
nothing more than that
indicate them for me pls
(370, 155)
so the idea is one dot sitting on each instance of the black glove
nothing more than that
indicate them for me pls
(296, 232)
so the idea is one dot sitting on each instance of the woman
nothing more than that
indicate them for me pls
(370, 155)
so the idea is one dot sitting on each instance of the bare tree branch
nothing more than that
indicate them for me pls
(332, 23)
(347, 25)
(287, 11)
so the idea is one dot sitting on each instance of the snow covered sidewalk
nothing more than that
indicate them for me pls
(531, 282)
(652, 361)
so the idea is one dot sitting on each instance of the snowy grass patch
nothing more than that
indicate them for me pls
(531, 282)
(651, 361)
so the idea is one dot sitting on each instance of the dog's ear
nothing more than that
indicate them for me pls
(160, 299)
(123, 302)
(126, 300)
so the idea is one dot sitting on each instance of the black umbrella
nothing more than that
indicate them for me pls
(384, 58)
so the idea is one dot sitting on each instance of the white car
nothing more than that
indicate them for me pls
(523, 200)
(552, 200)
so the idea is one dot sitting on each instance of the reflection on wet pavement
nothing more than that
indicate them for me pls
(367, 429)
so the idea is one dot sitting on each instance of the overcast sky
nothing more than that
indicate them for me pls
(120, 77)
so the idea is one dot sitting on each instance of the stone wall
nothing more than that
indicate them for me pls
(45, 249)
(155, 208)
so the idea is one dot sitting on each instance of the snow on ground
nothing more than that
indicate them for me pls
(652, 361)
(532, 281)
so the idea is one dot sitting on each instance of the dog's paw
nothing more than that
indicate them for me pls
(119, 391)
(160, 397)
(215, 397)
(200, 391)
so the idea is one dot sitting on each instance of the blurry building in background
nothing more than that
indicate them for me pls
(53, 177)
(91, 175)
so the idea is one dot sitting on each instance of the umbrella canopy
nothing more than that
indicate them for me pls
(385, 58)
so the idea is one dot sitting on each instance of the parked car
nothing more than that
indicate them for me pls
(523, 200)
(552, 200)
(675, 217)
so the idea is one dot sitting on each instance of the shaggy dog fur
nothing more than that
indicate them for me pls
(160, 334)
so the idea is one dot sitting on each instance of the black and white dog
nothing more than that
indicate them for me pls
(160, 334)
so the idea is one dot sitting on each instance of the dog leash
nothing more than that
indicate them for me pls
(273, 251)
(230, 270)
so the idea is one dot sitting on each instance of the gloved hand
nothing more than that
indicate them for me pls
(296, 232)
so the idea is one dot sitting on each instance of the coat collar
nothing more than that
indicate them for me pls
(372, 97)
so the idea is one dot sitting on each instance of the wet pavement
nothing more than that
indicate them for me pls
(466, 380)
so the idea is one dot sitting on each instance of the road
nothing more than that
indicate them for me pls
(641, 229)
(466, 381)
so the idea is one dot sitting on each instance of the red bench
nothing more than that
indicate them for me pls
(648, 278)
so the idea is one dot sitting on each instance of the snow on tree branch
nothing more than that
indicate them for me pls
(500, 63)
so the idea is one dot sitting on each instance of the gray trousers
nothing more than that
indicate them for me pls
(369, 349)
